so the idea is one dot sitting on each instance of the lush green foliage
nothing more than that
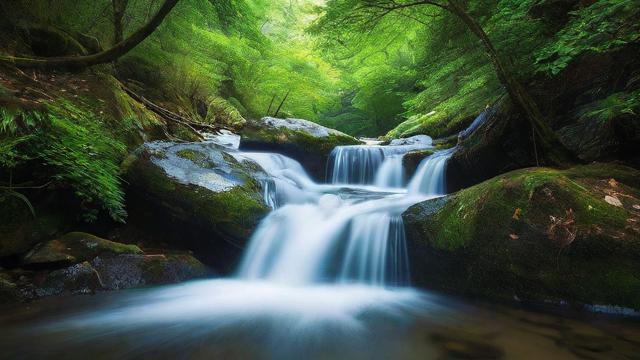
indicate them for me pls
(74, 149)
(348, 64)
(600, 27)
(429, 61)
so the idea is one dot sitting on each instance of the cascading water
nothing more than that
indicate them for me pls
(324, 277)
(391, 172)
(373, 164)
(328, 261)
(345, 232)
(430, 177)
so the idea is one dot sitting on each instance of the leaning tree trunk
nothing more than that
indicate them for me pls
(551, 147)
(102, 57)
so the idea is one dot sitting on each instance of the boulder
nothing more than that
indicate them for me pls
(105, 272)
(412, 159)
(79, 278)
(195, 196)
(534, 234)
(75, 247)
(302, 140)
(131, 270)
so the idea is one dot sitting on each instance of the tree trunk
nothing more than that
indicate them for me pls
(102, 57)
(554, 151)
(119, 8)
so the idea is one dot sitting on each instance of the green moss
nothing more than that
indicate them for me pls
(542, 234)
(232, 213)
(302, 139)
(199, 158)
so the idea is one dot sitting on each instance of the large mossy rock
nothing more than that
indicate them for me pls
(302, 140)
(104, 272)
(75, 247)
(535, 234)
(195, 196)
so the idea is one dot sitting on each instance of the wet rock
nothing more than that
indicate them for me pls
(413, 140)
(195, 196)
(535, 235)
(75, 247)
(412, 159)
(80, 278)
(8, 289)
(302, 140)
(603, 137)
(129, 271)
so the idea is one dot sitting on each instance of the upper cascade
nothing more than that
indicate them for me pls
(361, 164)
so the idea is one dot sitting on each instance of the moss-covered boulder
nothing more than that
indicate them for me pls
(80, 278)
(195, 196)
(75, 247)
(535, 234)
(129, 271)
(303, 140)
(104, 272)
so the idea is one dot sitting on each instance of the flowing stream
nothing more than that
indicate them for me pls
(325, 276)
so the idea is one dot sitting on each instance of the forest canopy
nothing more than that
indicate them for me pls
(344, 63)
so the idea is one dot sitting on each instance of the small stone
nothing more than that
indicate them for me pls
(613, 201)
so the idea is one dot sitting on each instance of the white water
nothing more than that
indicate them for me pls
(346, 232)
(373, 163)
(430, 177)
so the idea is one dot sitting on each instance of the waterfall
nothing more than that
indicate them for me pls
(430, 177)
(334, 240)
(329, 262)
(373, 163)
(287, 179)
(344, 232)
(391, 172)
(376, 251)
(354, 164)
